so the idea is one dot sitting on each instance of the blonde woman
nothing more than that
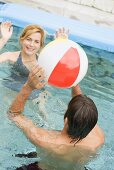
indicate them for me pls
(31, 41)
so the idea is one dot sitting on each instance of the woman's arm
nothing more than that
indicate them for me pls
(9, 56)
(6, 32)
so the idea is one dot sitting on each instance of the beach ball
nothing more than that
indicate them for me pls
(65, 63)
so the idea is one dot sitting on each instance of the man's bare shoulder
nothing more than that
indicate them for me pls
(53, 143)
(94, 139)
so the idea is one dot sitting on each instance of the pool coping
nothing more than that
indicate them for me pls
(80, 32)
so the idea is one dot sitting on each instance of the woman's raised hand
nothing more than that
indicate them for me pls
(6, 30)
(62, 33)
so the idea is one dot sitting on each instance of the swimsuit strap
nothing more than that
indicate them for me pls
(20, 67)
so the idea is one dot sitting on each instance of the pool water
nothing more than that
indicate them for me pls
(98, 84)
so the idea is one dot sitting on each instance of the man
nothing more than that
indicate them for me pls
(80, 137)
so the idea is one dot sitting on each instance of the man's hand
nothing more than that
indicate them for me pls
(76, 90)
(35, 81)
(6, 30)
(36, 78)
(62, 33)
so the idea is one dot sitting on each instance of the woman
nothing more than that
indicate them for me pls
(31, 41)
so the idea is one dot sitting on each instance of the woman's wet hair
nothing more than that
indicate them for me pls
(30, 29)
(82, 117)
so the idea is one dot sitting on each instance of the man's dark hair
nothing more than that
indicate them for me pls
(82, 116)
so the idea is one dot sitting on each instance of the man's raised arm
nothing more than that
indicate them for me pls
(76, 90)
(35, 81)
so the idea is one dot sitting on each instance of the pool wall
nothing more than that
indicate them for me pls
(87, 34)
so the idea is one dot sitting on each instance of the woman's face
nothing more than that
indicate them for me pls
(31, 44)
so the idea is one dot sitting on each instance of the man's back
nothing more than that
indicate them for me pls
(58, 152)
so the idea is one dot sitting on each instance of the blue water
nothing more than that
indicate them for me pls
(98, 84)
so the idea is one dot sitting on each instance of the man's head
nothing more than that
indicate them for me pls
(82, 116)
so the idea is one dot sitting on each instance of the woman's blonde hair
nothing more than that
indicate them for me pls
(30, 29)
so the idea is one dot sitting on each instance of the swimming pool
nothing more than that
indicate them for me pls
(98, 84)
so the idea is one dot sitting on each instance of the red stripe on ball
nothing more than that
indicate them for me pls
(67, 69)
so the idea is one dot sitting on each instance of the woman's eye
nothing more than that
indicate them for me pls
(37, 42)
(28, 39)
